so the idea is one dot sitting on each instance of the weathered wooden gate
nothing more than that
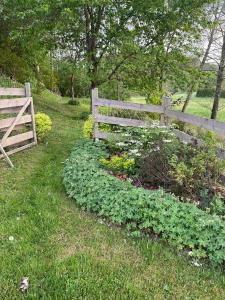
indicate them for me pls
(17, 126)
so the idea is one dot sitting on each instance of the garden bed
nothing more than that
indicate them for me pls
(140, 210)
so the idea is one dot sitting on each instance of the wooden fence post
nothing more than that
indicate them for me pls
(167, 106)
(94, 99)
(27, 89)
(31, 109)
(162, 116)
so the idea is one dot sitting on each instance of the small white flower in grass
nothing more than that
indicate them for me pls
(196, 263)
(24, 285)
(11, 238)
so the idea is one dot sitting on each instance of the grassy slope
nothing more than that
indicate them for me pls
(69, 254)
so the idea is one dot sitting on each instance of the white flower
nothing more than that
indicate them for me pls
(134, 151)
(196, 264)
(133, 141)
(120, 144)
(11, 238)
(156, 149)
(167, 141)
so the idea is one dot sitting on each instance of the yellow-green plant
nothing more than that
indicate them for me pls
(119, 163)
(89, 125)
(43, 125)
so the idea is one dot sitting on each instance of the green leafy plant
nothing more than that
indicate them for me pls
(119, 163)
(196, 169)
(43, 125)
(218, 205)
(183, 224)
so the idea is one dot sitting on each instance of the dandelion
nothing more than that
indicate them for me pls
(11, 238)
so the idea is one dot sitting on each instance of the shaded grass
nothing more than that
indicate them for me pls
(70, 254)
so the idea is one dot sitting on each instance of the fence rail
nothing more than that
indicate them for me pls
(165, 112)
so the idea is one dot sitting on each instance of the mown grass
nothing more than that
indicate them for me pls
(200, 106)
(71, 254)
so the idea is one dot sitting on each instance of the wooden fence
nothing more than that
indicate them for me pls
(166, 114)
(17, 129)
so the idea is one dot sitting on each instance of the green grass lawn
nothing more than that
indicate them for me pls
(197, 106)
(202, 106)
(70, 254)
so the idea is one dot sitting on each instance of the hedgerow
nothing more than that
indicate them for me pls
(156, 211)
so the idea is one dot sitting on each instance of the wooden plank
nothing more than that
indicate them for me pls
(167, 106)
(19, 149)
(106, 135)
(33, 120)
(4, 155)
(8, 103)
(14, 123)
(129, 105)
(12, 110)
(12, 91)
(187, 138)
(5, 123)
(208, 124)
(122, 121)
(12, 140)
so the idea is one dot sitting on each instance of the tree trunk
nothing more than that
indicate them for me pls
(188, 98)
(72, 86)
(196, 79)
(219, 81)
(38, 77)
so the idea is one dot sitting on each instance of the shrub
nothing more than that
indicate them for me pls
(43, 125)
(84, 115)
(196, 169)
(208, 93)
(183, 224)
(163, 160)
(74, 102)
(89, 126)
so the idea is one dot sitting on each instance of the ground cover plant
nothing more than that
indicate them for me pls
(181, 223)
